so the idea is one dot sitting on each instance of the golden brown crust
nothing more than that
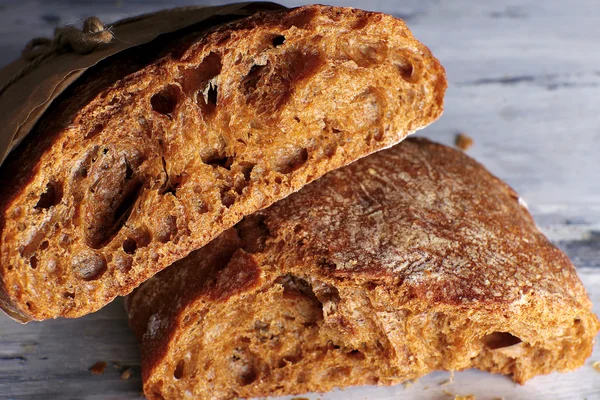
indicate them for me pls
(410, 260)
(133, 170)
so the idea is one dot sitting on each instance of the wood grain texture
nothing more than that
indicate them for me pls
(524, 79)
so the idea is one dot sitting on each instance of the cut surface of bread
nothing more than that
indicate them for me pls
(410, 260)
(152, 154)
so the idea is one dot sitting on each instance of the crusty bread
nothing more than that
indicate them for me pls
(148, 158)
(411, 260)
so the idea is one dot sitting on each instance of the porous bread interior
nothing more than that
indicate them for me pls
(297, 334)
(165, 159)
(415, 258)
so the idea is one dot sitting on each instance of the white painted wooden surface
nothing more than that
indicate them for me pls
(524, 83)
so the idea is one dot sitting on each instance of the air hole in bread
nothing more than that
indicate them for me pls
(292, 358)
(294, 286)
(165, 101)
(294, 161)
(129, 246)
(167, 229)
(361, 22)
(200, 82)
(240, 185)
(51, 196)
(125, 206)
(211, 93)
(68, 295)
(81, 168)
(178, 373)
(406, 70)
(156, 394)
(324, 263)
(278, 40)
(89, 265)
(201, 207)
(94, 131)
(33, 262)
(172, 185)
(227, 197)
(223, 162)
(142, 236)
(356, 354)
(268, 87)
(246, 169)
(253, 231)
(123, 263)
(254, 76)
(498, 340)
(365, 54)
(118, 198)
(247, 375)
(171, 190)
(44, 245)
(329, 150)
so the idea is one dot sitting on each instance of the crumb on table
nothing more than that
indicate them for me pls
(98, 368)
(126, 374)
(596, 365)
(467, 397)
(463, 141)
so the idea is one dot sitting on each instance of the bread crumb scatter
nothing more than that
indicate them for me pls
(98, 368)
(467, 397)
(463, 141)
(126, 374)
(596, 366)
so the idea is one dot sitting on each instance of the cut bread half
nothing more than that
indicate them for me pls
(156, 151)
(411, 260)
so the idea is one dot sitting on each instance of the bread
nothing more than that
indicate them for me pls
(411, 260)
(154, 153)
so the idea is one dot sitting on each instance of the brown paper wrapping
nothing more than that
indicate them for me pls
(25, 101)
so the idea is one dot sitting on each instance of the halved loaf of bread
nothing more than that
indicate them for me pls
(411, 260)
(155, 152)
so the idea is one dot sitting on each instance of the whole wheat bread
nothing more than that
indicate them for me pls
(411, 260)
(156, 151)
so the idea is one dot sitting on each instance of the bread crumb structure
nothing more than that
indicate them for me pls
(410, 260)
(156, 151)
